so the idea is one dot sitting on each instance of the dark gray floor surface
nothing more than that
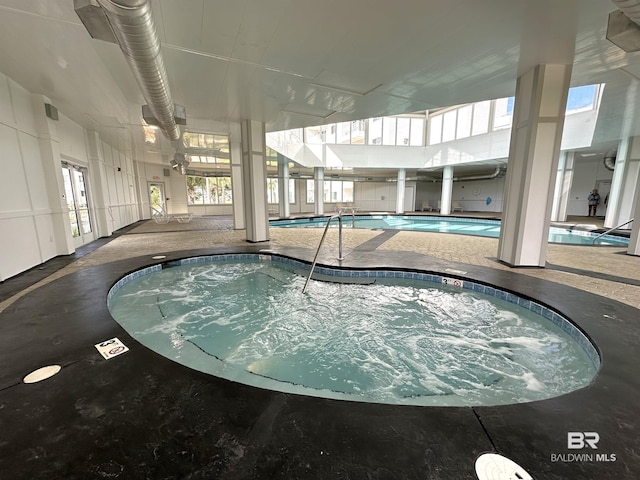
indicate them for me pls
(141, 416)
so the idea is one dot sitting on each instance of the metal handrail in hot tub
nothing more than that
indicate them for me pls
(324, 234)
(610, 230)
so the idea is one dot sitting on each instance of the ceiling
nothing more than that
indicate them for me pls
(294, 63)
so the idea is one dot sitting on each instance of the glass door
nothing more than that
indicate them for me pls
(157, 200)
(75, 189)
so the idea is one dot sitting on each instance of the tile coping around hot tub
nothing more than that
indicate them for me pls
(551, 315)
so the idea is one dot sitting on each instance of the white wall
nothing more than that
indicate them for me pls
(375, 196)
(472, 196)
(586, 175)
(28, 235)
(34, 220)
(118, 180)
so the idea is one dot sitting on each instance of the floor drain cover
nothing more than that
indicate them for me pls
(491, 466)
(42, 374)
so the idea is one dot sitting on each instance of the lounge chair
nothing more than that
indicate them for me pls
(426, 205)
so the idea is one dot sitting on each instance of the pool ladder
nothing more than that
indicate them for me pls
(324, 234)
(610, 230)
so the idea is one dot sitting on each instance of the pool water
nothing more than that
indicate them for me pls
(396, 341)
(464, 226)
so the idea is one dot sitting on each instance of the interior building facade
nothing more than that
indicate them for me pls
(117, 111)
(73, 123)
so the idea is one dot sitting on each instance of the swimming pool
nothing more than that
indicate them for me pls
(464, 226)
(408, 338)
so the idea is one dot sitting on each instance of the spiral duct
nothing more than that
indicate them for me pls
(135, 32)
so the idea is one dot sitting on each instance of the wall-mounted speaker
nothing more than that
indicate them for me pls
(167, 172)
(51, 111)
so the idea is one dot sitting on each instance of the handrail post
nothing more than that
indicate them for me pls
(324, 234)
(340, 257)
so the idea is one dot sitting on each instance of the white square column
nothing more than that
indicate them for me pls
(564, 181)
(447, 190)
(254, 180)
(634, 240)
(624, 183)
(402, 181)
(284, 209)
(538, 119)
(624, 198)
(237, 185)
(318, 178)
(99, 185)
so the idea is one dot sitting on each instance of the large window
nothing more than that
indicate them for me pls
(416, 138)
(388, 131)
(375, 131)
(208, 159)
(292, 190)
(481, 112)
(469, 120)
(399, 130)
(273, 194)
(463, 130)
(207, 147)
(581, 99)
(358, 132)
(449, 126)
(403, 131)
(335, 191)
(311, 191)
(344, 133)
(503, 114)
(206, 141)
(493, 115)
(338, 191)
(150, 135)
(435, 129)
(209, 190)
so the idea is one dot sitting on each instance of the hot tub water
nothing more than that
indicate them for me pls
(397, 341)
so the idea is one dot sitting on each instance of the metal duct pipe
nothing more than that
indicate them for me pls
(631, 8)
(134, 29)
(610, 160)
(498, 172)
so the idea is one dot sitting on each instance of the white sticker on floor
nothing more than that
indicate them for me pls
(491, 466)
(111, 348)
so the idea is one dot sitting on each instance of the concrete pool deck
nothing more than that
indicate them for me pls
(142, 416)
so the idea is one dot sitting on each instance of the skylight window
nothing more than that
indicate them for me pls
(581, 99)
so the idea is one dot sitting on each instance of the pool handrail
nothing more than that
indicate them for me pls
(324, 234)
(610, 230)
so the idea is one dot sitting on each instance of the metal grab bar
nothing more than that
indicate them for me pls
(324, 234)
(610, 230)
(353, 210)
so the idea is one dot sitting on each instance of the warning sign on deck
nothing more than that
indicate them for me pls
(111, 348)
